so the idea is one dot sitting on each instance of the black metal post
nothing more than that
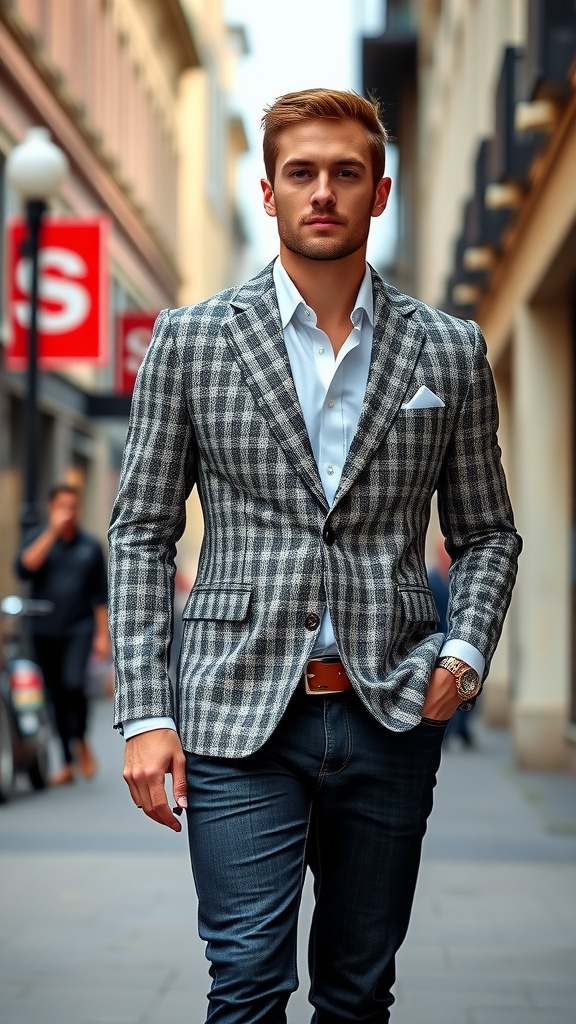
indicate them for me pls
(29, 516)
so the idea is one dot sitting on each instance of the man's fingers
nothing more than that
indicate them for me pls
(134, 792)
(165, 818)
(133, 787)
(149, 757)
(179, 782)
(153, 802)
(148, 793)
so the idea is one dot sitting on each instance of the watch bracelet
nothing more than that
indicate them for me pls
(467, 703)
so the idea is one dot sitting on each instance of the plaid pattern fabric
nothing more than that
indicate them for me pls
(215, 406)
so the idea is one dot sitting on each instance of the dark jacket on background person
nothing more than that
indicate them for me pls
(73, 578)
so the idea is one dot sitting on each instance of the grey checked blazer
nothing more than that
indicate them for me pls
(215, 406)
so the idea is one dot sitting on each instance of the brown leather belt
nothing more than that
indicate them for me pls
(326, 677)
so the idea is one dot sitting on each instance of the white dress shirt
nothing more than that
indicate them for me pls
(331, 391)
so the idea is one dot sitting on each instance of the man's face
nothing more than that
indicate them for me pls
(324, 192)
(65, 509)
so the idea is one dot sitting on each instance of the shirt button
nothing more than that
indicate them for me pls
(312, 621)
(321, 351)
(329, 535)
(306, 312)
(329, 470)
(331, 403)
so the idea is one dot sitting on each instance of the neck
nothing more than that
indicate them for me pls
(329, 287)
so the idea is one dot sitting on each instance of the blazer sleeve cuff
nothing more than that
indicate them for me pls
(135, 726)
(466, 652)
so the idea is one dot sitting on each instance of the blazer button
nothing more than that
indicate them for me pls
(329, 535)
(312, 621)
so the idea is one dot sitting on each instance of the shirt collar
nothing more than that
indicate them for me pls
(289, 298)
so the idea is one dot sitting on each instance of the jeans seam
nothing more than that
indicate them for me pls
(346, 762)
(321, 773)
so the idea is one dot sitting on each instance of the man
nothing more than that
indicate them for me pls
(317, 410)
(66, 567)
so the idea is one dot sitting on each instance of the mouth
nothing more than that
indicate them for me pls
(323, 222)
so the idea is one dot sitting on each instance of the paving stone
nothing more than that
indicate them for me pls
(558, 995)
(415, 1006)
(503, 1015)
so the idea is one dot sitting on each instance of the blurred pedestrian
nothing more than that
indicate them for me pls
(66, 566)
(318, 410)
(439, 582)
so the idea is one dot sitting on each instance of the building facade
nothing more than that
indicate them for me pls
(110, 80)
(490, 150)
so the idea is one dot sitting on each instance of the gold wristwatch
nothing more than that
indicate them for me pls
(468, 682)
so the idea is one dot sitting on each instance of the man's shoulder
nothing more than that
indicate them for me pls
(431, 317)
(88, 541)
(32, 534)
(213, 310)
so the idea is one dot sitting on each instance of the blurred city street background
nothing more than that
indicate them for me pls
(97, 911)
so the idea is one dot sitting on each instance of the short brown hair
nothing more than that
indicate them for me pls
(311, 104)
(62, 488)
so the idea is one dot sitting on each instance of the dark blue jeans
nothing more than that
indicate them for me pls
(332, 790)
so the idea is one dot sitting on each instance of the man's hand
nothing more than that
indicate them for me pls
(148, 758)
(60, 520)
(442, 698)
(101, 646)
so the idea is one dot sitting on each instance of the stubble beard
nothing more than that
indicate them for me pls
(321, 249)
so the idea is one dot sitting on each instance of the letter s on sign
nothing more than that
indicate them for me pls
(72, 297)
(137, 342)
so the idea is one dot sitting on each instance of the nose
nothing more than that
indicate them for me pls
(323, 194)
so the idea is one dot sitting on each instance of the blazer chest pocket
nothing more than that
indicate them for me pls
(426, 433)
(221, 604)
(427, 418)
(419, 605)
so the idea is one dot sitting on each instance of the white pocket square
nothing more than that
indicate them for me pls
(424, 399)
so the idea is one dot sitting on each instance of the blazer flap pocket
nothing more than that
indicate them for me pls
(226, 604)
(419, 604)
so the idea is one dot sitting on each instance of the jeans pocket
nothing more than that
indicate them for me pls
(436, 723)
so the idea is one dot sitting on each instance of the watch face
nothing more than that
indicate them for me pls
(468, 683)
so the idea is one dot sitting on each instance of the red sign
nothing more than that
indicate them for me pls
(72, 292)
(133, 334)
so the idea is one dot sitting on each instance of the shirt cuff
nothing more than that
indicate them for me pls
(466, 652)
(135, 726)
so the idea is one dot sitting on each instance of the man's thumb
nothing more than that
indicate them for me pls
(179, 785)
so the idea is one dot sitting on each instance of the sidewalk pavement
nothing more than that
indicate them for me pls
(98, 921)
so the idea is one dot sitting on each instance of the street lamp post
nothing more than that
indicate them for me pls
(35, 169)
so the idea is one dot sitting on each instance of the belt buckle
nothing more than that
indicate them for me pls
(310, 675)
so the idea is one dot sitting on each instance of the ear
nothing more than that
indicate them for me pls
(381, 196)
(269, 201)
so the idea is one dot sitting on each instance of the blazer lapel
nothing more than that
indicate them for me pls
(255, 333)
(398, 338)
